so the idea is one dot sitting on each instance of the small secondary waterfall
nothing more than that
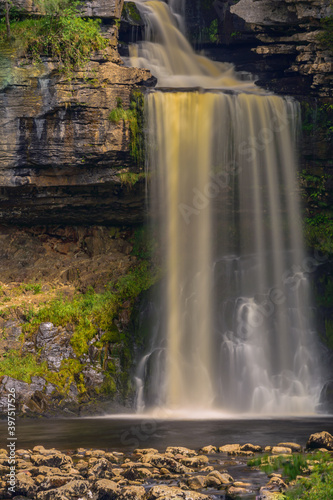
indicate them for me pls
(234, 330)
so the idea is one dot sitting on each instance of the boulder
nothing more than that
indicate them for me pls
(106, 490)
(48, 471)
(251, 447)
(51, 482)
(213, 482)
(268, 495)
(235, 491)
(197, 482)
(25, 485)
(163, 492)
(72, 490)
(320, 440)
(132, 493)
(145, 451)
(52, 460)
(28, 396)
(223, 478)
(159, 461)
(209, 449)
(54, 344)
(280, 450)
(82, 467)
(144, 473)
(194, 461)
(230, 449)
(180, 450)
(296, 448)
(100, 468)
(276, 484)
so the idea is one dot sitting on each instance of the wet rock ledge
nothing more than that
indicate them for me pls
(147, 474)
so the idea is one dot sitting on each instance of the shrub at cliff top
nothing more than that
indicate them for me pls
(59, 34)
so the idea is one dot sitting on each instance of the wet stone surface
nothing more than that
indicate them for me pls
(144, 474)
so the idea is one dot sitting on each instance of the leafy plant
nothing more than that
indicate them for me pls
(32, 287)
(291, 466)
(318, 486)
(59, 34)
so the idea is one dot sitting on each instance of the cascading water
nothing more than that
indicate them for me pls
(234, 331)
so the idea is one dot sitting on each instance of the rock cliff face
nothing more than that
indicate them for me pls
(61, 158)
(71, 190)
(277, 40)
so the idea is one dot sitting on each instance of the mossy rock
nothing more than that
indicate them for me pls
(131, 15)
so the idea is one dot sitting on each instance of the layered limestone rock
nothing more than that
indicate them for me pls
(277, 40)
(61, 158)
(290, 28)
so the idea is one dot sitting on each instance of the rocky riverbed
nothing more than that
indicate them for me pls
(211, 472)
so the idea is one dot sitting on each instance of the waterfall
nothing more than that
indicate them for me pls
(234, 330)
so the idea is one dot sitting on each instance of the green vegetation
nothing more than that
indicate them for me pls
(326, 36)
(21, 368)
(317, 118)
(290, 466)
(130, 178)
(318, 468)
(88, 312)
(317, 486)
(131, 13)
(135, 118)
(318, 232)
(318, 225)
(70, 371)
(211, 33)
(59, 34)
(24, 367)
(32, 287)
(144, 246)
(89, 315)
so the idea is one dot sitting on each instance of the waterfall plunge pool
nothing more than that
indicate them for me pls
(126, 432)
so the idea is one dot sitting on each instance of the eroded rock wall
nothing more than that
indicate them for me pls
(277, 40)
(61, 158)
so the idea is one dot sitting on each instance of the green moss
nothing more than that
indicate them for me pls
(109, 385)
(20, 367)
(135, 118)
(130, 178)
(144, 244)
(131, 14)
(90, 311)
(70, 372)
